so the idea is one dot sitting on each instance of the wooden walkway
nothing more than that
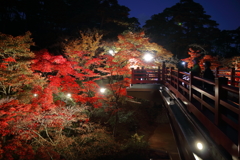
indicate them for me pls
(218, 111)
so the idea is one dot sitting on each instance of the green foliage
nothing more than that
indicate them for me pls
(99, 115)
(136, 140)
(135, 148)
(123, 117)
(65, 98)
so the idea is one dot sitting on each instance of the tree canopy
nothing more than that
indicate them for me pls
(53, 21)
(186, 23)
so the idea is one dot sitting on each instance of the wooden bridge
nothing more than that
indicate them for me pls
(210, 115)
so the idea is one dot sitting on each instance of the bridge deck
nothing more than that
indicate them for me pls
(216, 107)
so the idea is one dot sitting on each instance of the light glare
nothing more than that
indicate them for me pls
(185, 102)
(69, 95)
(148, 57)
(199, 146)
(102, 90)
(196, 157)
(111, 52)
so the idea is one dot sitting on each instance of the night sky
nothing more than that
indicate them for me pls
(225, 12)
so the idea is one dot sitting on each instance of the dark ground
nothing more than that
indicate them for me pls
(153, 123)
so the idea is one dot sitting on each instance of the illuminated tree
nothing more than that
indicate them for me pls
(68, 76)
(88, 41)
(60, 104)
(127, 52)
(197, 51)
(56, 121)
(17, 79)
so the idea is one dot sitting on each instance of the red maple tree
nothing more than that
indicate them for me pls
(39, 124)
(196, 53)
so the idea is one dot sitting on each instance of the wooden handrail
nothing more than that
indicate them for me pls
(223, 103)
(220, 98)
(145, 76)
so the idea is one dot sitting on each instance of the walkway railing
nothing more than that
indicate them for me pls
(233, 75)
(217, 108)
(140, 76)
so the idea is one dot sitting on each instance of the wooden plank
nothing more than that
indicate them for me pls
(228, 121)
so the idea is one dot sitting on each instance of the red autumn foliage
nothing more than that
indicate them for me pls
(71, 86)
(9, 59)
(196, 54)
(63, 75)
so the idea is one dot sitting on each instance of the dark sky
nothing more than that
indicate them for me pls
(225, 12)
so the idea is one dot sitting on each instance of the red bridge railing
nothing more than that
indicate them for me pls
(146, 76)
(217, 109)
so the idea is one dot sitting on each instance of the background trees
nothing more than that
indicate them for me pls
(227, 43)
(186, 23)
(175, 28)
(51, 22)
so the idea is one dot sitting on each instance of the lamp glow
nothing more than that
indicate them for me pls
(196, 157)
(199, 146)
(102, 90)
(112, 52)
(148, 57)
(69, 95)
(185, 102)
(35, 95)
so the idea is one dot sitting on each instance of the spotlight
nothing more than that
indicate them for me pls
(69, 95)
(102, 90)
(148, 57)
(199, 146)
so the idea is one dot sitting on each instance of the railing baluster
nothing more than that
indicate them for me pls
(163, 72)
(233, 77)
(220, 94)
(171, 75)
(132, 80)
(190, 86)
(178, 80)
(159, 74)
(239, 122)
(216, 72)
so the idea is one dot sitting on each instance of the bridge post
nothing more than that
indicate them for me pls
(132, 79)
(171, 73)
(190, 86)
(220, 94)
(163, 72)
(233, 77)
(239, 124)
(159, 74)
(144, 73)
(216, 72)
(178, 76)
